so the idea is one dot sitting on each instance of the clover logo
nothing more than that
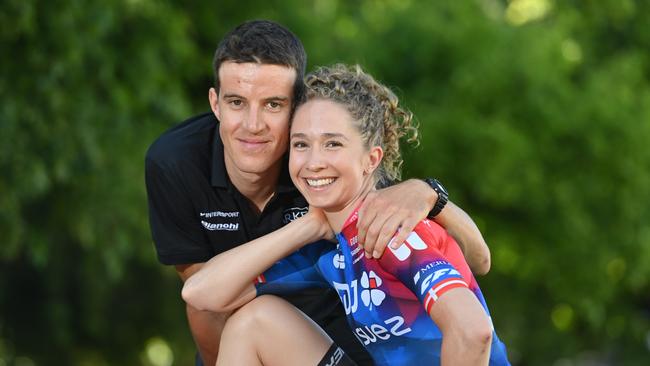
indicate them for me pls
(371, 294)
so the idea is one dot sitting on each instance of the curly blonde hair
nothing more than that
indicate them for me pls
(374, 107)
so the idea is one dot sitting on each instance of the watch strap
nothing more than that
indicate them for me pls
(443, 196)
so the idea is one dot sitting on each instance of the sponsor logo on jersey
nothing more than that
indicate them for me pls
(435, 276)
(370, 295)
(356, 250)
(439, 281)
(348, 295)
(429, 266)
(293, 213)
(381, 332)
(338, 261)
(413, 242)
(230, 226)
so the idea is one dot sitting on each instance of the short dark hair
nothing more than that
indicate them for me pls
(264, 42)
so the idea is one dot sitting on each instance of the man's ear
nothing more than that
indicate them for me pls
(214, 102)
(374, 158)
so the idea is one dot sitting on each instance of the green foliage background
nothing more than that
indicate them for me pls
(535, 113)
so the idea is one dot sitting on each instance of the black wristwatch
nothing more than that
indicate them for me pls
(443, 196)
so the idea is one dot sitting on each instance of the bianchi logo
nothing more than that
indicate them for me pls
(220, 227)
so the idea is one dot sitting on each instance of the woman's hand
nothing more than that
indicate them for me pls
(316, 217)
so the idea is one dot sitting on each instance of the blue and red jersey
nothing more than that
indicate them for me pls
(387, 301)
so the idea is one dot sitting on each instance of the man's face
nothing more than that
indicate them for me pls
(253, 105)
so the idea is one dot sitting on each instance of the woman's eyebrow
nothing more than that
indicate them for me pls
(298, 135)
(330, 135)
(327, 135)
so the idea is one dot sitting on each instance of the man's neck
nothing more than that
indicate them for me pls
(258, 188)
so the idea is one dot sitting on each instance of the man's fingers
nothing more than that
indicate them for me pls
(408, 225)
(366, 216)
(387, 232)
(373, 233)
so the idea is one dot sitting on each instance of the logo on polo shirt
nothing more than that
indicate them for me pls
(219, 214)
(221, 226)
(224, 227)
(293, 213)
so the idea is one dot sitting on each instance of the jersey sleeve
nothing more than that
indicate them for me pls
(296, 272)
(429, 263)
(177, 236)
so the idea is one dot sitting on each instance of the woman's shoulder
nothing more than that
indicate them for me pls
(430, 232)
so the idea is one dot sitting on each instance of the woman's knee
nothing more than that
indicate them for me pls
(260, 312)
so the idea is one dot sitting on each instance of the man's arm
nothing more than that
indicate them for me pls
(205, 326)
(467, 235)
(401, 207)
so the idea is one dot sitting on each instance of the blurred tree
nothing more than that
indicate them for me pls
(85, 88)
(536, 114)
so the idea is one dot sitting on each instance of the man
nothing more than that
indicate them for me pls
(219, 180)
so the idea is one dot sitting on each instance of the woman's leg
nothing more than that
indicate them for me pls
(270, 331)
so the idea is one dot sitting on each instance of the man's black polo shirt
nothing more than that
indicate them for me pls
(196, 213)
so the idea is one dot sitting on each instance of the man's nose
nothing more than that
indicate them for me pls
(254, 122)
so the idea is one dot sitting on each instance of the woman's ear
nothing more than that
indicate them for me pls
(374, 159)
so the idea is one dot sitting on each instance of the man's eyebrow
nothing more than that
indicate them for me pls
(231, 95)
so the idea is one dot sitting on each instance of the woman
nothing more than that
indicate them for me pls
(417, 303)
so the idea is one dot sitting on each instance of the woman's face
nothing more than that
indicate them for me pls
(328, 161)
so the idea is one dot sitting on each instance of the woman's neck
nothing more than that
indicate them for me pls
(336, 219)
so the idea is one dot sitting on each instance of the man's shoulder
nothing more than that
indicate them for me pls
(187, 140)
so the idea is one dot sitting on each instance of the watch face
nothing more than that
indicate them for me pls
(440, 186)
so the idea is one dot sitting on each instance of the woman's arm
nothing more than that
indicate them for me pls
(225, 282)
(466, 328)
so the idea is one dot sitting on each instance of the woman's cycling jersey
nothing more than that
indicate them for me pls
(386, 300)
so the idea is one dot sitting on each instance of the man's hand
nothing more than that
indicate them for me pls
(399, 208)
(396, 209)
